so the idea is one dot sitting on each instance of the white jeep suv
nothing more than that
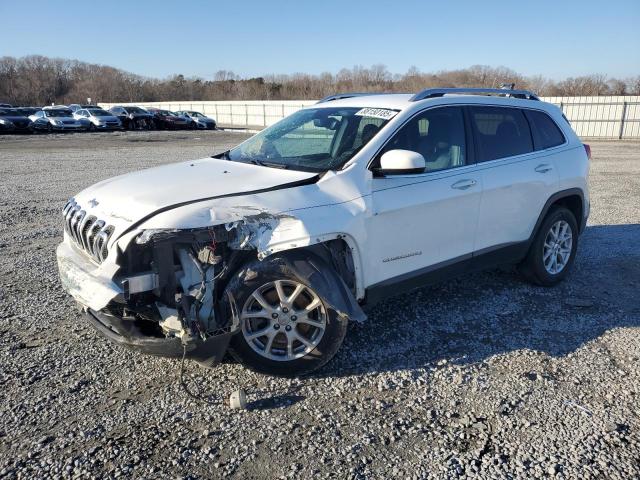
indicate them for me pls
(270, 248)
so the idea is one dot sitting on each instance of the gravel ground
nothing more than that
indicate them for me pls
(483, 377)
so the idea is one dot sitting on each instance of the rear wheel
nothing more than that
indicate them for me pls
(553, 249)
(286, 327)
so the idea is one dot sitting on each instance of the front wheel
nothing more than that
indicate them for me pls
(286, 327)
(553, 249)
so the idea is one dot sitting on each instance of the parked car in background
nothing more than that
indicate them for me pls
(167, 120)
(98, 119)
(133, 118)
(74, 107)
(56, 118)
(198, 119)
(6, 105)
(27, 111)
(14, 121)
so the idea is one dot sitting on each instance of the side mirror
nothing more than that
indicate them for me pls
(401, 162)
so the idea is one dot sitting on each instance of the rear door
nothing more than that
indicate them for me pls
(424, 221)
(517, 180)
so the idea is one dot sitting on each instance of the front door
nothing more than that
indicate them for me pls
(423, 221)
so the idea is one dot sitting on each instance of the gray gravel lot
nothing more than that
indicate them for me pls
(483, 377)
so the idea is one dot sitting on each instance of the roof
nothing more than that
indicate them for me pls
(403, 101)
(395, 101)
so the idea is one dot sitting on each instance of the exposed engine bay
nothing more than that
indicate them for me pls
(173, 283)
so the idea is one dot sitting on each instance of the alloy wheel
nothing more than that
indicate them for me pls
(283, 320)
(556, 250)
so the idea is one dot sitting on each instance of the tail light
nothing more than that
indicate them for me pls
(587, 149)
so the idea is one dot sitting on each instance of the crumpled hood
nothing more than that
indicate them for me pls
(128, 199)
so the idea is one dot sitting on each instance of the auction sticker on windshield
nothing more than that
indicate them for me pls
(382, 113)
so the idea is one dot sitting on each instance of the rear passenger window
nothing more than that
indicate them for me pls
(546, 133)
(500, 132)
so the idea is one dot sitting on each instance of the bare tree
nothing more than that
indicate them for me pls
(38, 80)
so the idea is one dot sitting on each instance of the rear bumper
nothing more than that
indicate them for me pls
(125, 333)
(585, 217)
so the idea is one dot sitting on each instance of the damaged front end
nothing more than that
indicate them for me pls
(170, 292)
(164, 295)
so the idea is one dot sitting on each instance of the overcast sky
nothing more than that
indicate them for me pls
(158, 38)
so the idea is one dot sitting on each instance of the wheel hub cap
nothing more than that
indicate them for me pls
(283, 320)
(557, 247)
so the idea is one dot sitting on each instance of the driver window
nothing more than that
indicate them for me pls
(438, 134)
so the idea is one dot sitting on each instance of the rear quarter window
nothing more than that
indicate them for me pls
(500, 132)
(546, 133)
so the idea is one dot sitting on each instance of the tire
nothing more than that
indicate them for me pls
(538, 266)
(322, 343)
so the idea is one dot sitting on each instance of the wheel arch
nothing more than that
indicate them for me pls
(339, 250)
(305, 264)
(572, 199)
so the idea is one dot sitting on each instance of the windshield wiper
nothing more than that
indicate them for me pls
(262, 163)
(223, 155)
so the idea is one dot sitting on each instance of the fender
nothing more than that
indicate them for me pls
(553, 199)
(303, 243)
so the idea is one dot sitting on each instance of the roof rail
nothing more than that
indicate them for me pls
(439, 92)
(340, 96)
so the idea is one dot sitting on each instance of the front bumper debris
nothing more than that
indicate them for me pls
(125, 333)
(89, 284)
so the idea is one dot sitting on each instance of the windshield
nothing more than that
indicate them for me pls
(315, 139)
(99, 113)
(135, 110)
(195, 114)
(58, 113)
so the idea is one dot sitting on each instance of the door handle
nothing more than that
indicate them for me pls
(463, 184)
(543, 168)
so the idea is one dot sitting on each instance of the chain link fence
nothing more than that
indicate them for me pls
(607, 117)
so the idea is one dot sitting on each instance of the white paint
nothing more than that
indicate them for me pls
(393, 225)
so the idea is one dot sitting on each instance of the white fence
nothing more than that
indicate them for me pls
(591, 117)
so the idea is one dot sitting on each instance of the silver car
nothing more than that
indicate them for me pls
(98, 119)
(198, 119)
(51, 119)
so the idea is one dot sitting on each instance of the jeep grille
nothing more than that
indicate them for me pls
(86, 231)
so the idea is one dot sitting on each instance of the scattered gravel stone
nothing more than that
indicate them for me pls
(467, 379)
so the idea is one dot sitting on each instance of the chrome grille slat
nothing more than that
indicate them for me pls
(87, 232)
(75, 223)
(84, 228)
(97, 227)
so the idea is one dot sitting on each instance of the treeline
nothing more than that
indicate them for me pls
(38, 80)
